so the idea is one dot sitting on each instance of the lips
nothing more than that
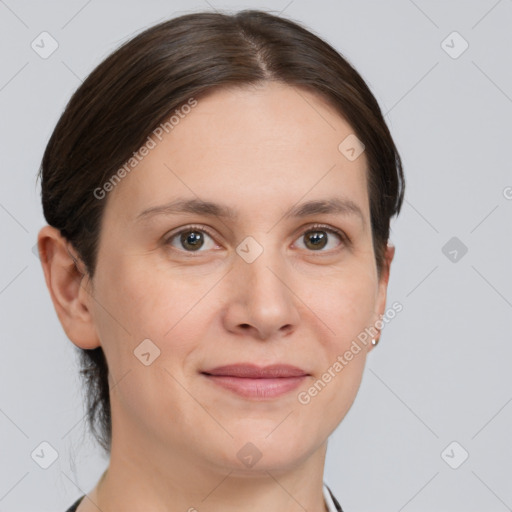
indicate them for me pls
(253, 382)
(251, 371)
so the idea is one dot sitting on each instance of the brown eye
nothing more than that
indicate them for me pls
(191, 239)
(318, 238)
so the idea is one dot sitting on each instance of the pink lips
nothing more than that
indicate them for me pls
(251, 381)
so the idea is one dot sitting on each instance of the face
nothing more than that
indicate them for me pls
(273, 283)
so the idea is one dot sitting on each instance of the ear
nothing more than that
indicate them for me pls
(380, 306)
(68, 286)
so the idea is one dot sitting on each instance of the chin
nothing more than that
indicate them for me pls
(253, 450)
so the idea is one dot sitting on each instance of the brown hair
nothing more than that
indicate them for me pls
(136, 88)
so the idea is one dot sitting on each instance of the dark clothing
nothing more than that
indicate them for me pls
(334, 500)
(75, 505)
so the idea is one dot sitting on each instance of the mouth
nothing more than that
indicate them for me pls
(255, 382)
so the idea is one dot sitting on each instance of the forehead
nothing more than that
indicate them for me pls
(246, 146)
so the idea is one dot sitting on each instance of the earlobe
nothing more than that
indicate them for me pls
(67, 283)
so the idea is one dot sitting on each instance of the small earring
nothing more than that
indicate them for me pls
(375, 341)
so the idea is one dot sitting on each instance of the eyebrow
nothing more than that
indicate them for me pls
(335, 205)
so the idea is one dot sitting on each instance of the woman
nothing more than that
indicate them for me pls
(219, 192)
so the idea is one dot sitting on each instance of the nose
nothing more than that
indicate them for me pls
(261, 299)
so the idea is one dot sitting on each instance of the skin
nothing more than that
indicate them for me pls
(260, 150)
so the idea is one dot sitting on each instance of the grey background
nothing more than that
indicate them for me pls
(441, 372)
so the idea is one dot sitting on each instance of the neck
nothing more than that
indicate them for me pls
(143, 475)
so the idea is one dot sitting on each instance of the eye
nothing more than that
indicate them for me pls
(191, 239)
(317, 237)
(194, 238)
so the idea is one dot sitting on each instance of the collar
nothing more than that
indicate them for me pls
(330, 500)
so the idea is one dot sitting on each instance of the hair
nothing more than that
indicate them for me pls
(135, 89)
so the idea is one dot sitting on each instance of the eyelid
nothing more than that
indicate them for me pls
(329, 228)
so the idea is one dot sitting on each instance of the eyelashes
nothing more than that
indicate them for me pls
(193, 235)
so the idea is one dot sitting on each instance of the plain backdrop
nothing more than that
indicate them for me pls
(430, 427)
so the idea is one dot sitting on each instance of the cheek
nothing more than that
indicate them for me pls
(134, 303)
(344, 302)
(347, 308)
(147, 299)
